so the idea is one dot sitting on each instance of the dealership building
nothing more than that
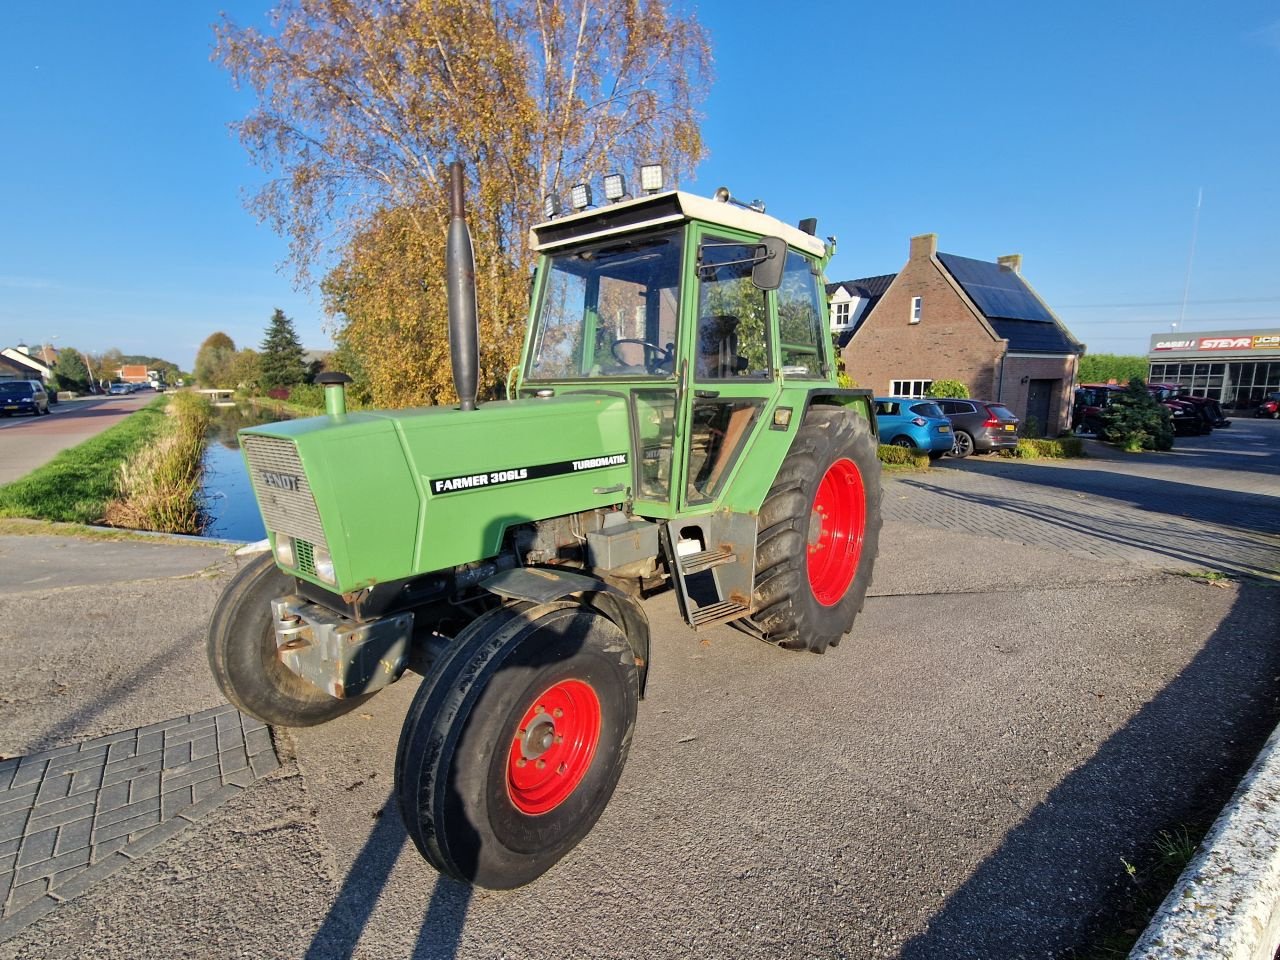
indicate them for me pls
(1236, 367)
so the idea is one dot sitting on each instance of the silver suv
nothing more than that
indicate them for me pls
(980, 425)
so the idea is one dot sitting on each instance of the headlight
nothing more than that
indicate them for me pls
(324, 566)
(284, 551)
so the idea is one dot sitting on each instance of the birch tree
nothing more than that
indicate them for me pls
(361, 104)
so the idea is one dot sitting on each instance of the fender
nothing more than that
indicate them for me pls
(544, 584)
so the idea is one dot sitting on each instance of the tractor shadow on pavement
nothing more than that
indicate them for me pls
(441, 931)
(1051, 882)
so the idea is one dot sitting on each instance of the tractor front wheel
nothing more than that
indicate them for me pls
(515, 741)
(242, 653)
(819, 532)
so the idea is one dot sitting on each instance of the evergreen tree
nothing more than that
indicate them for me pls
(280, 359)
(1137, 421)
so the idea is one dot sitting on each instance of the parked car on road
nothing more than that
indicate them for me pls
(906, 422)
(23, 396)
(120, 389)
(1269, 407)
(980, 426)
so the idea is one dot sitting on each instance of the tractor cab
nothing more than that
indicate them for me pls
(705, 315)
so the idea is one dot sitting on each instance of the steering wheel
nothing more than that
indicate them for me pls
(656, 357)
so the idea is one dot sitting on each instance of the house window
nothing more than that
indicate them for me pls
(909, 388)
(840, 315)
(915, 309)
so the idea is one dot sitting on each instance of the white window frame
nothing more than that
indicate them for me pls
(840, 313)
(916, 304)
(915, 389)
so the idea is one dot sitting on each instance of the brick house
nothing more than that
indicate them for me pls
(944, 317)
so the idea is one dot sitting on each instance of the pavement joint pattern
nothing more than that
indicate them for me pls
(74, 815)
(1114, 519)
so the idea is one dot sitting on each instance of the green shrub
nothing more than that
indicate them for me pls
(309, 396)
(903, 457)
(947, 388)
(1136, 421)
(1033, 448)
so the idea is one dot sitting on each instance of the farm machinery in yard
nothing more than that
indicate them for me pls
(675, 421)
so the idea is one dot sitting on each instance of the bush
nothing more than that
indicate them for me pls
(307, 395)
(1136, 421)
(947, 388)
(903, 457)
(1032, 448)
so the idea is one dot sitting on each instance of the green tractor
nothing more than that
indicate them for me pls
(675, 421)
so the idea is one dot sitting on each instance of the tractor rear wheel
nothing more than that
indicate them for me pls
(515, 741)
(819, 532)
(242, 653)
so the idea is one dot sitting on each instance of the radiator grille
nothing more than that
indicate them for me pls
(304, 553)
(281, 487)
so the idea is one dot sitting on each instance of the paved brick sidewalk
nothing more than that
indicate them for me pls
(1084, 509)
(72, 816)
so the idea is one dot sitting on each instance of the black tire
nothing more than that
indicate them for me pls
(456, 776)
(242, 653)
(937, 454)
(903, 441)
(963, 445)
(787, 608)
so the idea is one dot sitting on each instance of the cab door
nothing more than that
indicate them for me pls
(730, 363)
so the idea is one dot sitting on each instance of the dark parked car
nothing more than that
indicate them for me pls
(908, 422)
(980, 426)
(23, 396)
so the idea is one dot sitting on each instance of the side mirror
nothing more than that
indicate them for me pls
(771, 258)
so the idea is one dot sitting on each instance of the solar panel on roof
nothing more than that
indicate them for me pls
(998, 292)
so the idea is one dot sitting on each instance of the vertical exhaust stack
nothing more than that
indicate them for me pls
(460, 282)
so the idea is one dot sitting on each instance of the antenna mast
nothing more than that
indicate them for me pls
(1191, 257)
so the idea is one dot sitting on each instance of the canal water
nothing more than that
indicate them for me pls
(231, 511)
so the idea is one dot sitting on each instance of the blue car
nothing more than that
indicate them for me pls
(921, 424)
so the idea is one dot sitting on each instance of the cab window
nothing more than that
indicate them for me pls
(800, 319)
(732, 314)
(609, 311)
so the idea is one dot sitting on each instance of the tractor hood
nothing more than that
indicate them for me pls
(391, 494)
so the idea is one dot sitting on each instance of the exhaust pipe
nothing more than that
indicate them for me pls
(460, 283)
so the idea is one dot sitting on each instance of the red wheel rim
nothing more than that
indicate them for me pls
(553, 747)
(836, 527)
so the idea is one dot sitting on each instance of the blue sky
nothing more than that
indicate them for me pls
(1076, 135)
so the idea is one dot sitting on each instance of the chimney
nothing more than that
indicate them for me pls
(1011, 261)
(24, 349)
(924, 246)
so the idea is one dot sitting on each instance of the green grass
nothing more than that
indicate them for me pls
(77, 484)
(1144, 883)
(160, 483)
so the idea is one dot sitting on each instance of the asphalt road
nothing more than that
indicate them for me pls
(30, 442)
(960, 778)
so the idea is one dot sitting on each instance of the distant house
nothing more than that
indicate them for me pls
(945, 317)
(136, 373)
(29, 367)
(851, 301)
